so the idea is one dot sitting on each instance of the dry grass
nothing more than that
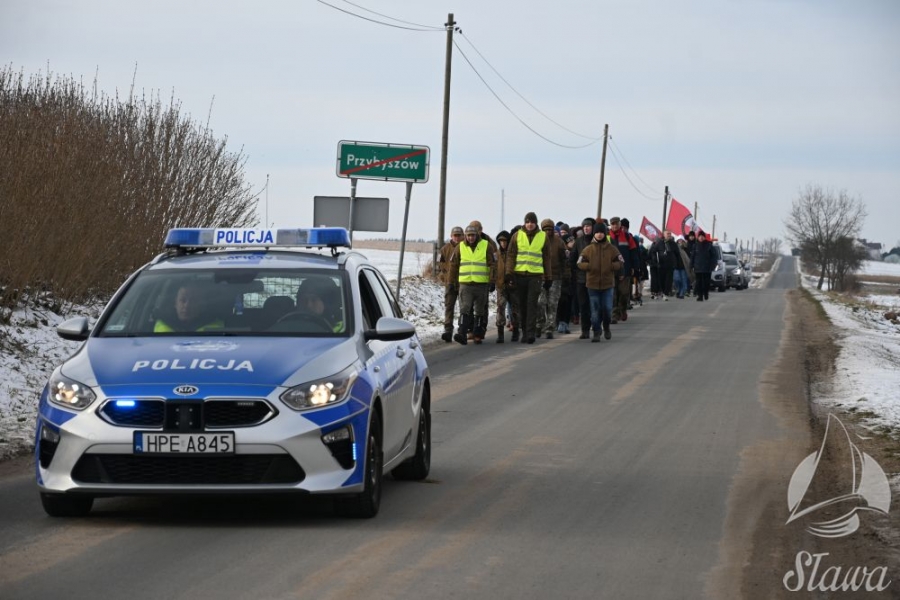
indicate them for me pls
(889, 279)
(91, 184)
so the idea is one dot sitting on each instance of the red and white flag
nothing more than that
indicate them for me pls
(681, 221)
(649, 230)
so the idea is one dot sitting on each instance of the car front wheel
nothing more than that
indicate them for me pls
(365, 505)
(417, 467)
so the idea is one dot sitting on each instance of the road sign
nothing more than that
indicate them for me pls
(385, 162)
(369, 214)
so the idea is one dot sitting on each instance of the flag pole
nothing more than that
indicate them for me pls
(665, 207)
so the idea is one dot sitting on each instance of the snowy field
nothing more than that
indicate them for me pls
(867, 374)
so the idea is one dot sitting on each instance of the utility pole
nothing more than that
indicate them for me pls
(665, 207)
(602, 172)
(442, 200)
(696, 208)
(713, 234)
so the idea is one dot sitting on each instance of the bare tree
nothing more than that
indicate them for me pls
(818, 219)
(90, 184)
(846, 257)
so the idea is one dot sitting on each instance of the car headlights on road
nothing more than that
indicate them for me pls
(69, 393)
(315, 394)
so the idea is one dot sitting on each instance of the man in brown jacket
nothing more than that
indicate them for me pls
(528, 267)
(548, 301)
(602, 262)
(451, 288)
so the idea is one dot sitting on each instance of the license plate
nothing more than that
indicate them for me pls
(154, 442)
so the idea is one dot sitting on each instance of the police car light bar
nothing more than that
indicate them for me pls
(319, 237)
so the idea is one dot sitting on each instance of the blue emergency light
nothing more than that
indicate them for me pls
(318, 237)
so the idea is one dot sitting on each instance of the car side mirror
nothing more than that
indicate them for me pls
(390, 329)
(75, 329)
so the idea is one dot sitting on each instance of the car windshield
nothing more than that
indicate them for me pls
(730, 259)
(235, 302)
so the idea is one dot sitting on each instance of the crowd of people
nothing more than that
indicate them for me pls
(549, 276)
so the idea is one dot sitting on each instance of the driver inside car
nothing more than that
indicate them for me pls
(321, 297)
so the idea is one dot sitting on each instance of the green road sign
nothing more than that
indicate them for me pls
(387, 162)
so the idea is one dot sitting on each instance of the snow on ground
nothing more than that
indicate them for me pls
(867, 373)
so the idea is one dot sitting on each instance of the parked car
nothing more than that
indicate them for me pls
(241, 360)
(735, 275)
(718, 278)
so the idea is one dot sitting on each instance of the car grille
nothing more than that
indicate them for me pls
(156, 413)
(236, 413)
(144, 413)
(188, 470)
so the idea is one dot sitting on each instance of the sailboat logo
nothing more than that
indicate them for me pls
(862, 481)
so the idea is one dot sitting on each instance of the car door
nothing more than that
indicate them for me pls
(397, 368)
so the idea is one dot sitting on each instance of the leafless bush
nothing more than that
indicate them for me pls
(90, 184)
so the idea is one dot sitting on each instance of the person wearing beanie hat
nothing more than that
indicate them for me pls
(601, 262)
(703, 262)
(624, 241)
(451, 288)
(492, 248)
(473, 270)
(582, 304)
(548, 300)
(504, 292)
(528, 265)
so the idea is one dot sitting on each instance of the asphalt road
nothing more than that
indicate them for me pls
(561, 470)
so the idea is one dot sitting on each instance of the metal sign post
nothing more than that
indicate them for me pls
(403, 239)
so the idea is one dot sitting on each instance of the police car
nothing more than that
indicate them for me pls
(239, 360)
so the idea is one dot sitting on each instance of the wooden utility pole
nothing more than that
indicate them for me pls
(713, 234)
(665, 207)
(602, 171)
(696, 208)
(442, 199)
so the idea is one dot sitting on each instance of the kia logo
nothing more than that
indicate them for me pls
(186, 390)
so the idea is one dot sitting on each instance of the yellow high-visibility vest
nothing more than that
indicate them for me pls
(162, 327)
(473, 266)
(531, 256)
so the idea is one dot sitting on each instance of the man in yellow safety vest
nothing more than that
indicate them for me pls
(472, 268)
(528, 267)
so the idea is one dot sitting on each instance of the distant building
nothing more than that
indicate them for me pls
(872, 248)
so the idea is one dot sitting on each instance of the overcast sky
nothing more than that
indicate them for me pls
(735, 105)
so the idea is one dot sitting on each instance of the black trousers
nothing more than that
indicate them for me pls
(665, 284)
(584, 305)
(701, 285)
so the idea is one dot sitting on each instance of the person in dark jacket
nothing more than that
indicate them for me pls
(601, 262)
(703, 261)
(624, 241)
(581, 293)
(679, 273)
(665, 262)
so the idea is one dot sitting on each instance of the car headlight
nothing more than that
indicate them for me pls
(69, 393)
(737, 271)
(321, 392)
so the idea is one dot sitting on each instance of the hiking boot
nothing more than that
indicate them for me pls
(624, 316)
(531, 340)
(500, 339)
(614, 321)
(549, 335)
(584, 334)
(606, 333)
(561, 327)
(515, 336)
(596, 337)
(447, 336)
(461, 338)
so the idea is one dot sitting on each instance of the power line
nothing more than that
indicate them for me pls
(650, 187)
(519, 119)
(539, 111)
(613, 152)
(376, 20)
(368, 10)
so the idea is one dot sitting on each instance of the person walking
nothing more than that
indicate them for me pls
(581, 293)
(503, 292)
(688, 271)
(679, 273)
(528, 267)
(703, 261)
(548, 300)
(666, 264)
(473, 268)
(601, 262)
(624, 241)
(451, 288)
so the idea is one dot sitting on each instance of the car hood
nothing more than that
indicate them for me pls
(155, 366)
